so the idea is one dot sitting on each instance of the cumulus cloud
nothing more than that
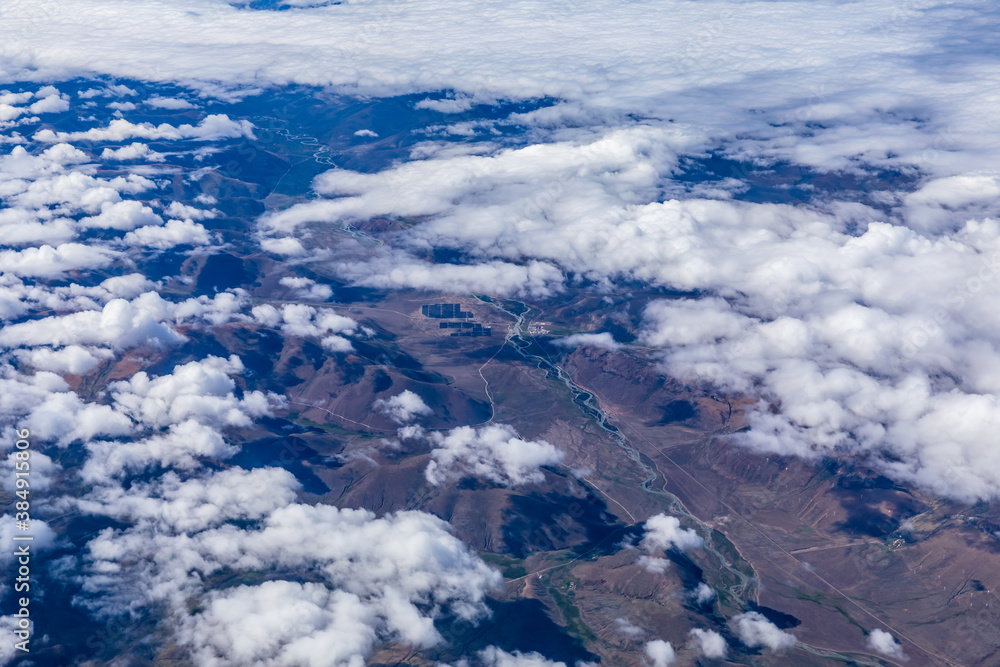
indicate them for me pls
(396, 271)
(43, 471)
(173, 233)
(660, 653)
(211, 128)
(305, 321)
(603, 340)
(183, 446)
(884, 643)
(654, 564)
(172, 103)
(703, 593)
(123, 215)
(382, 578)
(42, 536)
(70, 359)
(134, 151)
(493, 656)
(285, 245)
(307, 288)
(122, 323)
(709, 642)
(664, 532)
(403, 408)
(282, 623)
(175, 504)
(48, 261)
(119, 324)
(755, 630)
(199, 390)
(493, 452)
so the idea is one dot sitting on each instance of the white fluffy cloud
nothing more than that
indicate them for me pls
(660, 653)
(134, 151)
(382, 578)
(603, 340)
(173, 233)
(211, 128)
(282, 623)
(285, 245)
(403, 407)
(199, 390)
(755, 630)
(709, 642)
(70, 359)
(298, 319)
(123, 215)
(493, 452)
(492, 656)
(119, 323)
(42, 536)
(665, 532)
(703, 593)
(174, 504)
(884, 643)
(49, 262)
(306, 288)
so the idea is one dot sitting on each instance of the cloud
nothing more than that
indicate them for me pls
(212, 128)
(603, 340)
(492, 656)
(42, 536)
(285, 245)
(626, 627)
(175, 504)
(70, 359)
(49, 262)
(710, 643)
(173, 233)
(663, 532)
(494, 277)
(403, 408)
(307, 288)
(199, 390)
(183, 446)
(43, 471)
(381, 578)
(755, 630)
(834, 110)
(884, 643)
(654, 564)
(660, 653)
(172, 103)
(703, 593)
(493, 452)
(134, 151)
(118, 324)
(282, 623)
(123, 215)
